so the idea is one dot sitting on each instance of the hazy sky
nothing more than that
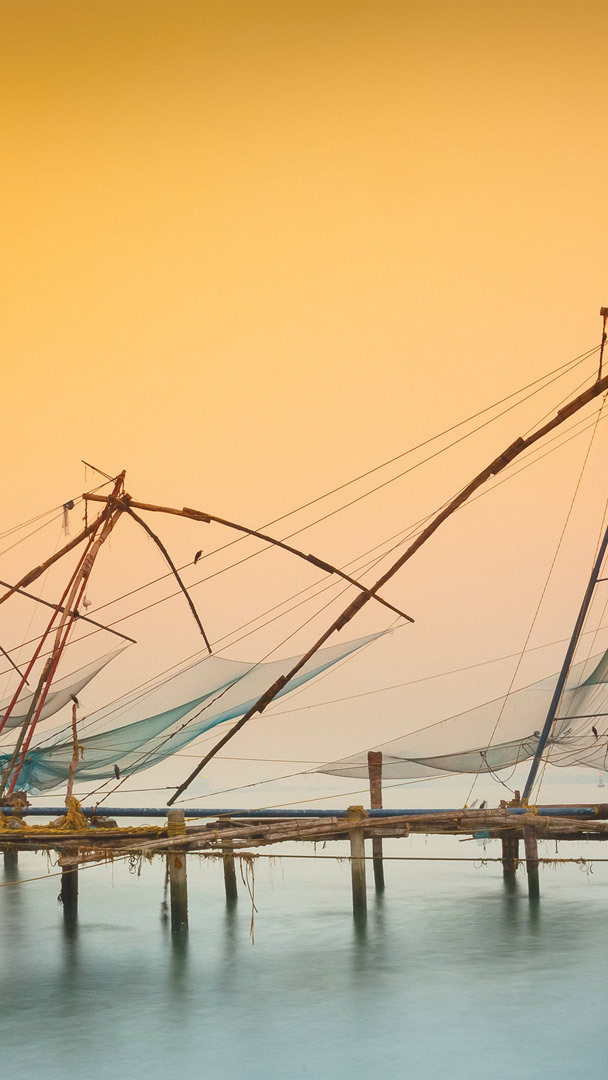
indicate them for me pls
(251, 250)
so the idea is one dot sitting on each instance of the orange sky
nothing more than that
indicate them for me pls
(251, 250)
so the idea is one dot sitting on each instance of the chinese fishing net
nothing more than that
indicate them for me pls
(475, 741)
(144, 729)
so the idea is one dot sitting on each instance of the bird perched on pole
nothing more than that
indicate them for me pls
(197, 557)
(117, 772)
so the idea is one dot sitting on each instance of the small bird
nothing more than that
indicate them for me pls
(473, 804)
(483, 805)
(117, 772)
(75, 699)
(197, 557)
(594, 730)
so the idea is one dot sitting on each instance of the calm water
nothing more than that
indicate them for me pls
(451, 976)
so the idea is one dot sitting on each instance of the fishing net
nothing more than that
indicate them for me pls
(146, 728)
(64, 690)
(501, 733)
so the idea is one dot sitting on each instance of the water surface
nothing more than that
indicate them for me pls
(451, 975)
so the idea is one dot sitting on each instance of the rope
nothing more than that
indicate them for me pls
(543, 592)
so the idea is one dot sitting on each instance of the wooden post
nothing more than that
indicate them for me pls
(178, 875)
(68, 895)
(510, 857)
(232, 893)
(531, 846)
(357, 863)
(374, 764)
(11, 858)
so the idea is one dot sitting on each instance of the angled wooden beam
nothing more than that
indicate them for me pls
(200, 515)
(496, 466)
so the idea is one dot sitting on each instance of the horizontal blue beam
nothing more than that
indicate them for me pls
(590, 811)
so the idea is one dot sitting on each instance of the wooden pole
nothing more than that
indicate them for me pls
(510, 857)
(531, 846)
(68, 895)
(178, 874)
(357, 863)
(11, 858)
(75, 755)
(508, 455)
(232, 893)
(199, 515)
(374, 764)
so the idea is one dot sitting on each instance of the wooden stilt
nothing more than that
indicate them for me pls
(531, 846)
(357, 863)
(68, 895)
(232, 893)
(11, 858)
(178, 874)
(374, 764)
(510, 857)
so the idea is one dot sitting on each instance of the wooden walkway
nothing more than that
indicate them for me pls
(230, 837)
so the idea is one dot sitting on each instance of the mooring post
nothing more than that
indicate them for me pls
(510, 856)
(68, 895)
(11, 858)
(357, 862)
(178, 875)
(374, 765)
(531, 846)
(232, 893)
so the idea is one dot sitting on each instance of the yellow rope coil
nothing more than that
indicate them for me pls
(74, 821)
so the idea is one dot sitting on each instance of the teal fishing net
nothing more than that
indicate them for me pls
(144, 729)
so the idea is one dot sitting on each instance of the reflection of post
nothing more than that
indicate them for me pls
(232, 893)
(357, 862)
(531, 846)
(178, 875)
(374, 764)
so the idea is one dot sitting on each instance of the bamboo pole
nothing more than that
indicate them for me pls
(105, 523)
(33, 574)
(75, 754)
(199, 515)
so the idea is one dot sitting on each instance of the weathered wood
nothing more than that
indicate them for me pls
(510, 856)
(178, 874)
(75, 756)
(68, 894)
(232, 893)
(199, 515)
(11, 858)
(531, 847)
(357, 862)
(374, 765)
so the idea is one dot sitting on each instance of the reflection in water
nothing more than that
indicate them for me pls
(70, 941)
(449, 962)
